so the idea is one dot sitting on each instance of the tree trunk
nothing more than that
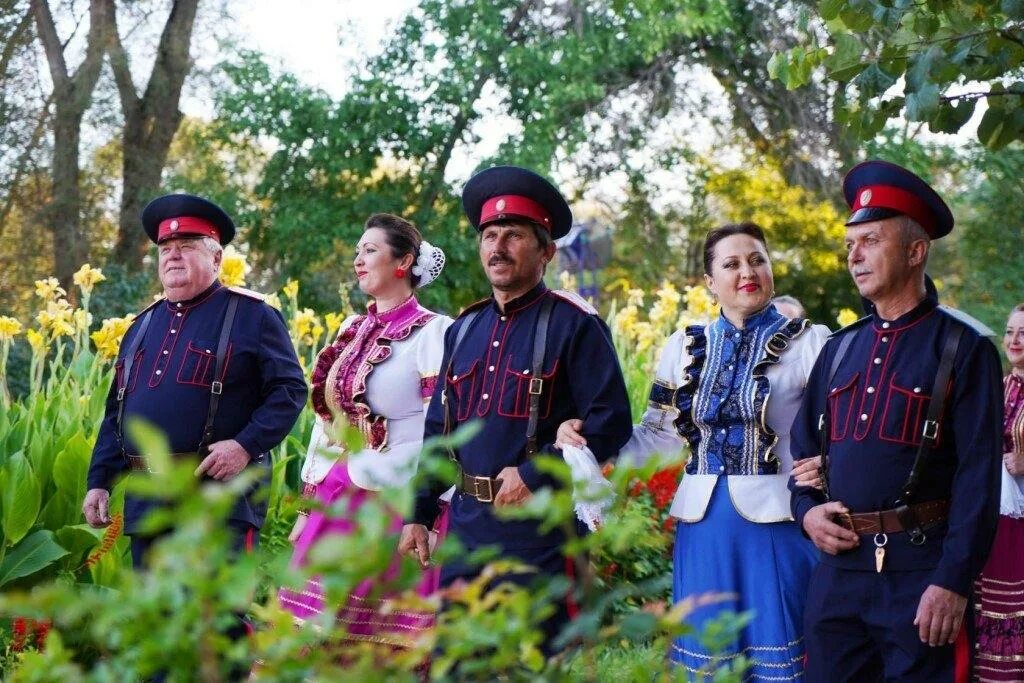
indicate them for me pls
(150, 122)
(141, 170)
(62, 213)
(72, 96)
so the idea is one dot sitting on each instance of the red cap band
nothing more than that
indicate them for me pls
(514, 206)
(186, 226)
(897, 199)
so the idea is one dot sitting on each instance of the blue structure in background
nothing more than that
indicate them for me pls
(583, 252)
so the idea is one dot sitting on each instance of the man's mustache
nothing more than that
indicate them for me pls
(499, 258)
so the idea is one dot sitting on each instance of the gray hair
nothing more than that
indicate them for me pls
(212, 245)
(791, 301)
(910, 231)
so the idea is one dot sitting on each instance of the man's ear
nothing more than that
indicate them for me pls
(549, 252)
(917, 251)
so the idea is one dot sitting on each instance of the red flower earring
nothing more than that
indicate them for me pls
(399, 273)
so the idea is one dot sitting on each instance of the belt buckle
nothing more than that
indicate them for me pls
(490, 489)
(846, 521)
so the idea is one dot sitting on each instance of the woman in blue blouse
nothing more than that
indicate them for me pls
(729, 391)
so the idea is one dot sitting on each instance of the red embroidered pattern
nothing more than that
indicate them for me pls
(344, 367)
(1013, 400)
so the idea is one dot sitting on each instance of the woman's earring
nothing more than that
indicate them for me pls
(399, 273)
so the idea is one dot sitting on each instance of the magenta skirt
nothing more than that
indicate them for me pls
(373, 612)
(999, 607)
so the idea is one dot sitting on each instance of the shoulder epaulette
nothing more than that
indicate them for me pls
(472, 307)
(856, 324)
(576, 300)
(968, 320)
(247, 292)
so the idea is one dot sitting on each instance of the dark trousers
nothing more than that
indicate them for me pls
(859, 627)
(549, 562)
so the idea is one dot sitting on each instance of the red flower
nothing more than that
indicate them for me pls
(669, 524)
(608, 570)
(662, 485)
(19, 633)
(41, 631)
(607, 469)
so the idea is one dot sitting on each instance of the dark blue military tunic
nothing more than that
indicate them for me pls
(877, 403)
(489, 381)
(264, 388)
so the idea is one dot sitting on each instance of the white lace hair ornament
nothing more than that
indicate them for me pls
(429, 263)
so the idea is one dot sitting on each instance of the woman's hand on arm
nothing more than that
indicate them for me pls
(569, 434)
(807, 472)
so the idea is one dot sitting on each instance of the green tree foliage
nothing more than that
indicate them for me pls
(950, 55)
(387, 145)
(991, 241)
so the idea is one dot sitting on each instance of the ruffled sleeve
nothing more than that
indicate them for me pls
(656, 433)
(429, 349)
(322, 366)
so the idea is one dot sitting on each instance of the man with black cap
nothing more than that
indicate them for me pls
(519, 362)
(211, 366)
(904, 406)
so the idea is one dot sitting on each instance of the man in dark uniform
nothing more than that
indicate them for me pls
(259, 391)
(491, 373)
(900, 544)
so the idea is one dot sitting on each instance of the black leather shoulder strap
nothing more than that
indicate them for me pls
(216, 385)
(540, 342)
(126, 372)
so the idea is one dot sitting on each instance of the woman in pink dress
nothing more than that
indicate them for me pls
(378, 375)
(999, 591)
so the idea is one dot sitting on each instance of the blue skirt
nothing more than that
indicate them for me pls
(765, 569)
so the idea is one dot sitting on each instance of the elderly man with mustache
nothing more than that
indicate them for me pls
(519, 362)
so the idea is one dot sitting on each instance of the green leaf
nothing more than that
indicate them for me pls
(830, 9)
(873, 81)
(951, 116)
(21, 498)
(71, 467)
(845, 57)
(35, 553)
(920, 71)
(1013, 9)
(857, 21)
(923, 104)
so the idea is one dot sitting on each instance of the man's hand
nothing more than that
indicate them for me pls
(96, 507)
(226, 459)
(826, 534)
(807, 472)
(1014, 463)
(939, 616)
(513, 491)
(415, 542)
(570, 433)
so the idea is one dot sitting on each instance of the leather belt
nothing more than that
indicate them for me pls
(137, 463)
(481, 488)
(888, 521)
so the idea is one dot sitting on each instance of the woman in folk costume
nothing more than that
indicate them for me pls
(730, 391)
(379, 375)
(999, 591)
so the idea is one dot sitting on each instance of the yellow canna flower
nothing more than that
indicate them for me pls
(304, 326)
(333, 322)
(846, 317)
(9, 328)
(635, 297)
(699, 303)
(58, 313)
(567, 281)
(274, 300)
(49, 288)
(291, 290)
(625, 319)
(86, 278)
(83, 319)
(108, 337)
(233, 268)
(37, 341)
